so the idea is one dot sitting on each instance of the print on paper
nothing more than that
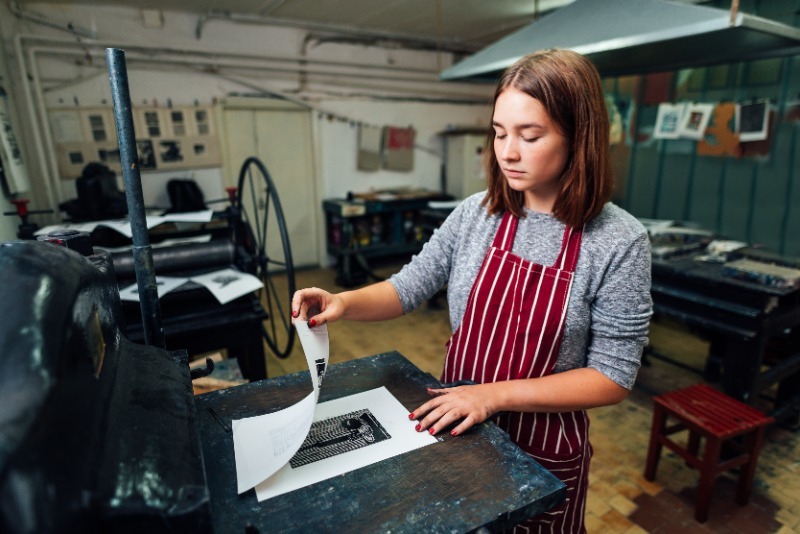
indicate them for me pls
(668, 121)
(338, 435)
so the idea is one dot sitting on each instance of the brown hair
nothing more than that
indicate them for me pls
(569, 88)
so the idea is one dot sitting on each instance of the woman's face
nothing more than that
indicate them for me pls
(530, 150)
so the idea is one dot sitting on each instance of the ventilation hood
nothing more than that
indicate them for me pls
(636, 37)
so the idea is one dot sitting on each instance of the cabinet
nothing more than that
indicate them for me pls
(362, 229)
(463, 162)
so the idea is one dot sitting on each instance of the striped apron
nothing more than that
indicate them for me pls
(512, 329)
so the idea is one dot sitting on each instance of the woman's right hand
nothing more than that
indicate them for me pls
(316, 306)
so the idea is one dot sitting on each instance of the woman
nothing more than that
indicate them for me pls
(548, 282)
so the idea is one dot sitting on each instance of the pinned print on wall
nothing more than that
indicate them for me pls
(752, 121)
(399, 148)
(369, 147)
(695, 120)
(762, 149)
(668, 121)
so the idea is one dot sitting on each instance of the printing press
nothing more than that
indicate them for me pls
(192, 318)
(746, 303)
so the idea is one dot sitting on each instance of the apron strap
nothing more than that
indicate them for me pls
(570, 248)
(504, 238)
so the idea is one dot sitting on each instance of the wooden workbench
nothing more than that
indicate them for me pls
(479, 479)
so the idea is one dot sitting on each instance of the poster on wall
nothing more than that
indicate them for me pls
(720, 139)
(369, 147)
(752, 121)
(695, 120)
(398, 148)
(668, 121)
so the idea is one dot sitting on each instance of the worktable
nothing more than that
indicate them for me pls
(478, 479)
(739, 318)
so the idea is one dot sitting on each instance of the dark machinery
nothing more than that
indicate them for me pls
(753, 327)
(97, 434)
(251, 236)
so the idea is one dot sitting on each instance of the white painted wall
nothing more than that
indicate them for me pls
(233, 58)
(338, 143)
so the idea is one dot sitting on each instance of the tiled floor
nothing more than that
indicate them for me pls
(620, 499)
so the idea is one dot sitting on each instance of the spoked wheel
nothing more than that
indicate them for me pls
(264, 236)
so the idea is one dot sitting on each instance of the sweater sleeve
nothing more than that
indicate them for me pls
(620, 314)
(429, 270)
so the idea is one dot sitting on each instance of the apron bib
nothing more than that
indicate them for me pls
(512, 329)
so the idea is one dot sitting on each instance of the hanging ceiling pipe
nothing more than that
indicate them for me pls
(133, 55)
(154, 49)
(199, 68)
(410, 41)
(70, 28)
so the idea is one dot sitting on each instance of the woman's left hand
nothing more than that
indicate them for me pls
(470, 404)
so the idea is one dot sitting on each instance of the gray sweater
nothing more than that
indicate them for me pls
(609, 305)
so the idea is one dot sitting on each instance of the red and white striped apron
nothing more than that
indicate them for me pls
(512, 329)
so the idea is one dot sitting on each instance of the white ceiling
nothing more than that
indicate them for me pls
(453, 25)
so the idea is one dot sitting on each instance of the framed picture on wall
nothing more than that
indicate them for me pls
(752, 120)
(695, 120)
(668, 121)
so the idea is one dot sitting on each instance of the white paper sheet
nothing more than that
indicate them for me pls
(316, 347)
(668, 121)
(164, 284)
(281, 452)
(189, 216)
(383, 408)
(695, 119)
(228, 284)
(263, 444)
(123, 226)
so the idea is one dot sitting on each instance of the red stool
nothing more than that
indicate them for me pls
(718, 418)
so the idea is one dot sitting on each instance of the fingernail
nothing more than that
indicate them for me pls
(453, 433)
(432, 431)
(411, 416)
(312, 322)
(295, 314)
(418, 428)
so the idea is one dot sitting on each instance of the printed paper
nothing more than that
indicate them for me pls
(308, 442)
(164, 284)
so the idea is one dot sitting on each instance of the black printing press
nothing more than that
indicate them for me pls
(746, 304)
(98, 434)
(238, 237)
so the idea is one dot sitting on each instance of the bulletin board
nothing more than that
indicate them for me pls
(166, 138)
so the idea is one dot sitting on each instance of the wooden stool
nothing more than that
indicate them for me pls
(718, 418)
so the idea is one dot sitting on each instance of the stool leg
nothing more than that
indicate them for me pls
(693, 445)
(654, 449)
(746, 475)
(708, 472)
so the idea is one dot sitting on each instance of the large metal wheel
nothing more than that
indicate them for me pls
(263, 235)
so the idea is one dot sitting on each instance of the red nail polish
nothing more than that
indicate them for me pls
(312, 323)
(418, 428)
(295, 314)
(411, 416)
(453, 433)
(431, 431)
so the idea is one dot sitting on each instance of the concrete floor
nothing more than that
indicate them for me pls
(620, 499)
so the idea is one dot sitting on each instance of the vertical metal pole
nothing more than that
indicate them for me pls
(142, 253)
